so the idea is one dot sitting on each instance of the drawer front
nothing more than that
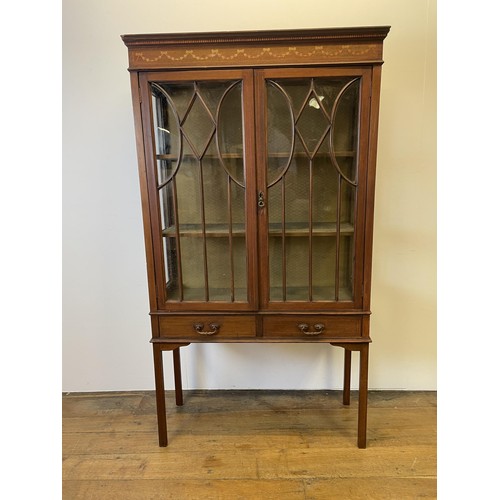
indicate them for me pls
(207, 327)
(312, 327)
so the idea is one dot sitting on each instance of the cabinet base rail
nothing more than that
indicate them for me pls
(361, 347)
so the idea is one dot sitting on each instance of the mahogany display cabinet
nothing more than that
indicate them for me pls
(257, 155)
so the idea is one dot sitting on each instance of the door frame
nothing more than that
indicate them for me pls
(261, 75)
(246, 76)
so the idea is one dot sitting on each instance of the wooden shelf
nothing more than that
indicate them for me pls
(347, 154)
(191, 294)
(302, 229)
(225, 156)
(298, 229)
(319, 294)
(211, 230)
(293, 294)
(230, 156)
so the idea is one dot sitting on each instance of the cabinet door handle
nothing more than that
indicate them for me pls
(318, 328)
(199, 328)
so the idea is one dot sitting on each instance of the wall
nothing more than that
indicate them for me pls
(105, 305)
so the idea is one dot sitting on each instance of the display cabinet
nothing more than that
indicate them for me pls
(256, 156)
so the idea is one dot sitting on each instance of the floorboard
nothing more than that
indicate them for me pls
(249, 444)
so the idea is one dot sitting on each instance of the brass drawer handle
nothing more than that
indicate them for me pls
(199, 328)
(318, 328)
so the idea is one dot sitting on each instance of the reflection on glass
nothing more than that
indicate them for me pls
(201, 186)
(311, 176)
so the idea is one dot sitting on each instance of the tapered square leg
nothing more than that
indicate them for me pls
(363, 349)
(363, 395)
(346, 396)
(177, 377)
(160, 395)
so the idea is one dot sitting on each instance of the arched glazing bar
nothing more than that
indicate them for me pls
(333, 154)
(209, 150)
(230, 180)
(281, 179)
(172, 251)
(314, 152)
(351, 184)
(292, 133)
(157, 89)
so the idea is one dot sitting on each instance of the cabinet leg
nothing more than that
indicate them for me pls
(347, 377)
(160, 395)
(363, 395)
(177, 377)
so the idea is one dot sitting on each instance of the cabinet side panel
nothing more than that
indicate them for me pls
(134, 81)
(370, 185)
(364, 181)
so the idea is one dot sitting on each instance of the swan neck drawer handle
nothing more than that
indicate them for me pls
(318, 328)
(214, 328)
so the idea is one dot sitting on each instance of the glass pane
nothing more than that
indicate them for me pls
(219, 269)
(277, 256)
(198, 127)
(167, 136)
(312, 125)
(345, 129)
(323, 267)
(346, 242)
(193, 270)
(346, 254)
(311, 194)
(172, 276)
(201, 189)
(230, 134)
(325, 185)
(238, 239)
(297, 267)
(280, 133)
(211, 92)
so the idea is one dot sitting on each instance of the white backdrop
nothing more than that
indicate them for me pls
(105, 305)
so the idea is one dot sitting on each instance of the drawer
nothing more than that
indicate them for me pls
(311, 327)
(207, 327)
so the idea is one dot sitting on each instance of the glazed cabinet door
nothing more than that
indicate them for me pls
(313, 125)
(199, 150)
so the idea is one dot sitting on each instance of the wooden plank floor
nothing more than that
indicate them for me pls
(249, 445)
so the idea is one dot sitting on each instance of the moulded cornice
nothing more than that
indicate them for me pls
(324, 35)
(256, 48)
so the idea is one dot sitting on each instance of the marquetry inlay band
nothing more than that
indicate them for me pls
(244, 49)
(153, 57)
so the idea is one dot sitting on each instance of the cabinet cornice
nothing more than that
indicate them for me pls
(250, 48)
(337, 35)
